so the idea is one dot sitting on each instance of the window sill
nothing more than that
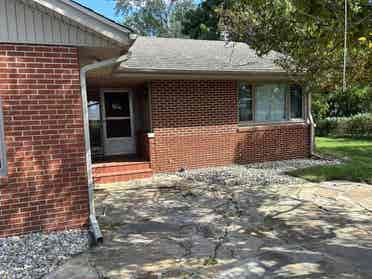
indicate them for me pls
(249, 126)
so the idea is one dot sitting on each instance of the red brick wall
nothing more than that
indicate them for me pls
(46, 186)
(195, 125)
(270, 143)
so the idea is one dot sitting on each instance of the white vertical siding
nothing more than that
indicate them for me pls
(11, 19)
(30, 31)
(3, 20)
(30, 23)
(20, 13)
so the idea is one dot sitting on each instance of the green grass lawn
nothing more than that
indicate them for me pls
(357, 166)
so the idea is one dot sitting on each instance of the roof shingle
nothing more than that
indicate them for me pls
(150, 54)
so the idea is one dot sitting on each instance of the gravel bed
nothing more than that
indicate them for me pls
(37, 254)
(258, 174)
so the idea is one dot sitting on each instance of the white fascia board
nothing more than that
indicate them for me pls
(88, 19)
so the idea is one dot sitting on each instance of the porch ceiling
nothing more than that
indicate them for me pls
(105, 80)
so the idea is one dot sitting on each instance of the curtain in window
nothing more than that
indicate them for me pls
(270, 102)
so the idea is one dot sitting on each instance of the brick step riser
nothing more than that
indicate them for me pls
(120, 168)
(122, 177)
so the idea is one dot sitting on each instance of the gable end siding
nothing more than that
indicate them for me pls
(33, 24)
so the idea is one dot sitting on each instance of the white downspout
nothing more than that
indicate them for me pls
(94, 227)
(312, 125)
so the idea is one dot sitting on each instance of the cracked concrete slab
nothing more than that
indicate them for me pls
(76, 268)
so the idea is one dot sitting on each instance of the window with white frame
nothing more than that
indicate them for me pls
(270, 102)
(3, 164)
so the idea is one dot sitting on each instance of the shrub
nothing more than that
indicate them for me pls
(355, 100)
(359, 125)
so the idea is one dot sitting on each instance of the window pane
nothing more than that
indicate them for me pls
(117, 104)
(296, 102)
(245, 102)
(270, 102)
(118, 128)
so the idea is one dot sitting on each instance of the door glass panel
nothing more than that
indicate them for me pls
(118, 128)
(117, 104)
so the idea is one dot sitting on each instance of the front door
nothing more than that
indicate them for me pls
(118, 122)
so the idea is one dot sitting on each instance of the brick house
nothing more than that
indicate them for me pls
(83, 101)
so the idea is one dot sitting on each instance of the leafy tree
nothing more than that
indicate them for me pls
(355, 100)
(204, 21)
(154, 17)
(320, 106)
(181, 9)
(310, 36)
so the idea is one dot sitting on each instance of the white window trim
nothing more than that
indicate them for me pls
(287, 107)
(4, 164)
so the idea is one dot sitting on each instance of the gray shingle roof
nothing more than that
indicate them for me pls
(149, 54)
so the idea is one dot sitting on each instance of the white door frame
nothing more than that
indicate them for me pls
(129, 141)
